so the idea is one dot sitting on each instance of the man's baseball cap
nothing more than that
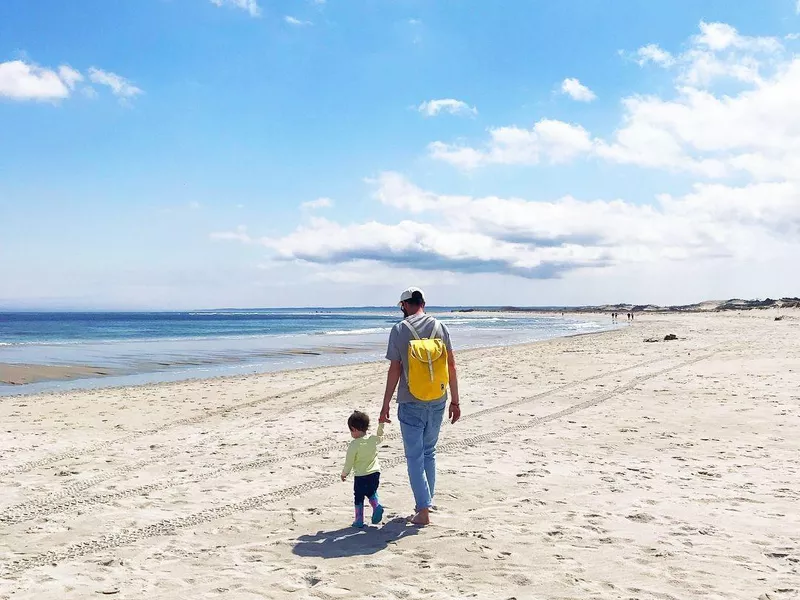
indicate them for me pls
(412, 293)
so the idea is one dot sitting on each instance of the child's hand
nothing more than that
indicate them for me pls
(344, 477)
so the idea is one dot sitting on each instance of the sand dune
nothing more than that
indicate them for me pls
(598, 466)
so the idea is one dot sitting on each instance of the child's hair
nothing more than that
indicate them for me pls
(358, 421)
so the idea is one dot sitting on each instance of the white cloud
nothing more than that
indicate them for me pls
(69, 76)
(717, 36)
(721, 52)
(655, 54)
(541, 240)
(555, 141)
(296, 22)
(750, 131)
(718, 51)
(423, 246)
(316, 204)
(366, 273)
(754, 129)
(772, 207)
(119, 86)
(251, 6)
(577, 91)
(240, 235)
(432, 108)
(721, 36)
(462, 157)
(22, 81)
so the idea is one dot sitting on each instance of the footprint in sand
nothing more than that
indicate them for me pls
(641, 518)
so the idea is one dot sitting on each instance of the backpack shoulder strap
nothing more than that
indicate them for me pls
(411, 328)
(436, 334)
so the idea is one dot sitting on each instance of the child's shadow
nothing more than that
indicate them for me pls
(353, 542)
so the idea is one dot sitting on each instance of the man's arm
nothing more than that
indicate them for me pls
(392, 378)
(454, 412)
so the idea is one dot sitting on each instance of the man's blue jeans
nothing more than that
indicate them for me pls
(420, 423)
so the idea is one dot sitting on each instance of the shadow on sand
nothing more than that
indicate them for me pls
(353, 542)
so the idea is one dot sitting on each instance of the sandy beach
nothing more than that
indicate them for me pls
(596, 466)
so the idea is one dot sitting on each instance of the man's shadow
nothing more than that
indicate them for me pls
(353, 542)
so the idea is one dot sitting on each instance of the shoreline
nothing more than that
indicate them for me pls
(85, 377)
(94, 384)
(24, 379)
(709, 306)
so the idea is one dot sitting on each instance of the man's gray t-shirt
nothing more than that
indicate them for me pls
(399, 339)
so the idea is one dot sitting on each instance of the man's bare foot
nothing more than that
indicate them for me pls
(422, 518)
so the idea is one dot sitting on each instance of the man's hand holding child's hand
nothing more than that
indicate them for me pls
(344, 477)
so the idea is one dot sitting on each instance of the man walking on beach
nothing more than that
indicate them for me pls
(420, 420)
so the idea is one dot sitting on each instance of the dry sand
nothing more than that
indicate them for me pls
(597, 466)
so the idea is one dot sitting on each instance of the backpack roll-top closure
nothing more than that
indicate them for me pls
(427, 351)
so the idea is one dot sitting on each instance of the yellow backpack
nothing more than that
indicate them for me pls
(427, 372)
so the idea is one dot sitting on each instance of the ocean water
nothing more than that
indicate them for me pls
(168, 346)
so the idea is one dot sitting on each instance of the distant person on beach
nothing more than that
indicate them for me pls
(422, 366)
(362, 460)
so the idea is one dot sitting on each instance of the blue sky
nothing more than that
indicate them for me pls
(158, 153)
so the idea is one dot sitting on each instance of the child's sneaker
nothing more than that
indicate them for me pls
(358, 524)
(377, 515)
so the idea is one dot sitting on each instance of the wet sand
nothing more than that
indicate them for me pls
(14, 374)
(21, 374)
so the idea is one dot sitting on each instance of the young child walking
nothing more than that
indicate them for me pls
(362, 459)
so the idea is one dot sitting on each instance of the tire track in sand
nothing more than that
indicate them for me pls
(61, 500)
(79, 452)
(171, 525)
(70, 498)
(74, 453)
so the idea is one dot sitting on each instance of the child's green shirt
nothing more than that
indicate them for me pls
(362, 454)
